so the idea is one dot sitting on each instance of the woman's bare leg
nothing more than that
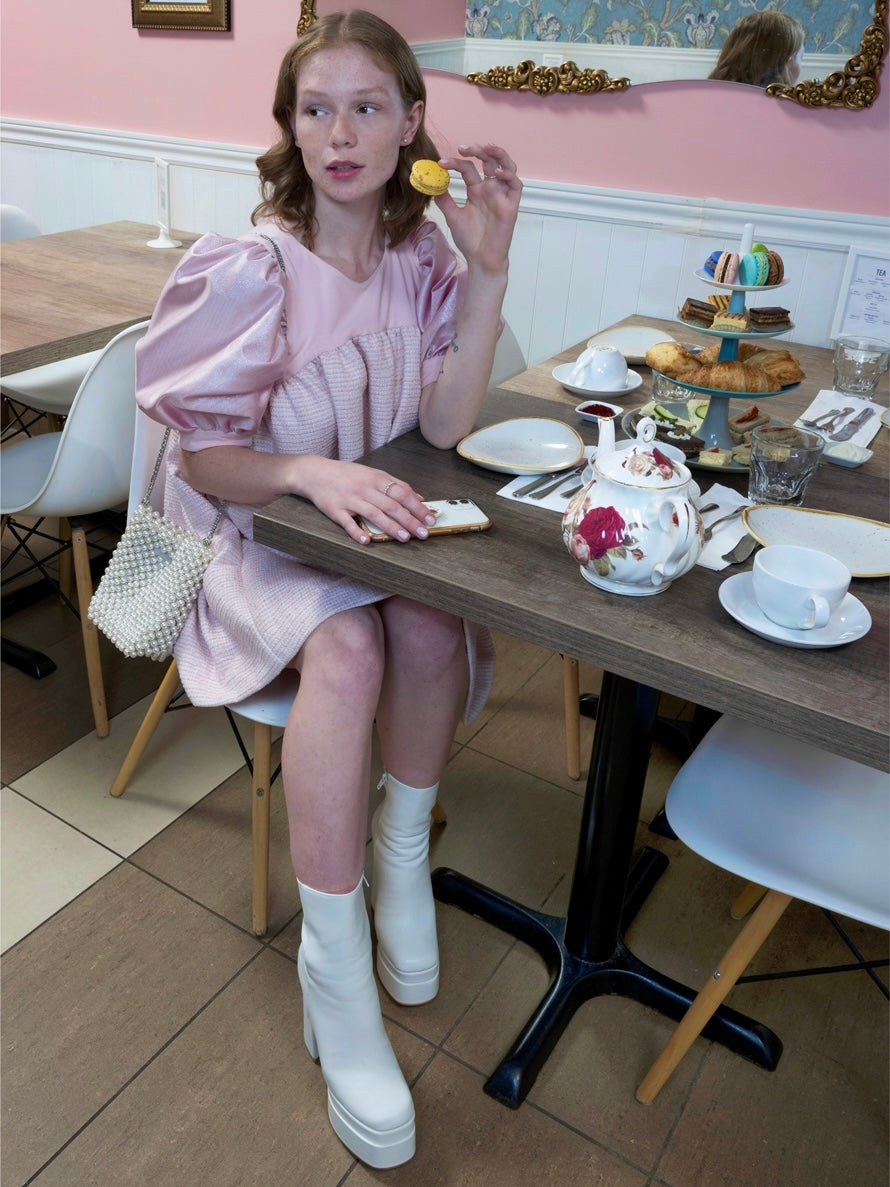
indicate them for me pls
(424, 689)
(326, 752)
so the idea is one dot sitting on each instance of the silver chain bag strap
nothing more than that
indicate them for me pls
(152, 579)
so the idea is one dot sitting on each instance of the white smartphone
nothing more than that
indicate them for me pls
(452, 516)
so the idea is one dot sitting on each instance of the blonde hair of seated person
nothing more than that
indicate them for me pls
(763, 48)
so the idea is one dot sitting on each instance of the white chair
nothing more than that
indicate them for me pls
(83, 469)
(48, 389)
(16, 224)
(785, 815)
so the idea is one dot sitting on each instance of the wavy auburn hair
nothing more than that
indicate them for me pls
(758, 49)
(288, 197)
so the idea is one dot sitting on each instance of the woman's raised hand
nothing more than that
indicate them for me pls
(483, 227)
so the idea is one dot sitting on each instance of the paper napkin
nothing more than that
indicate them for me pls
(831, 401)
(726, 535)
(555, 500)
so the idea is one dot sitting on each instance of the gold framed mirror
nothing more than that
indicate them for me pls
(854, 87)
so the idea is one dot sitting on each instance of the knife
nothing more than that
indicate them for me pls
(853, 426)
(543, 491)
(545, 480)
(541, 480)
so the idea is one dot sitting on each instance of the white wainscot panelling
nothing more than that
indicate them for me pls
(582, 257)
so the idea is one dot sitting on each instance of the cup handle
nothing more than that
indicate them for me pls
(821, 610)
(675, 561)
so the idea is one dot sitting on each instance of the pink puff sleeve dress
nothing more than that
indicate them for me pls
(256, 342)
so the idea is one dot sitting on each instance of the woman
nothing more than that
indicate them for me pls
(342, 322)
(763, 48)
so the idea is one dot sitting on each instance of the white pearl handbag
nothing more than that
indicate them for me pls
(152, 580)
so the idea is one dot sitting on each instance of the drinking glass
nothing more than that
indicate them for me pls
(859, 363)
(783, 460)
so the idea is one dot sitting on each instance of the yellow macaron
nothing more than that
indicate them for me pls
(429, 178)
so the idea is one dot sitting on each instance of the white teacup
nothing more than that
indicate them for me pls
(600, 369)
(798, 588)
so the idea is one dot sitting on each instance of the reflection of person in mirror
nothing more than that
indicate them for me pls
(343, 320)
(763, 48)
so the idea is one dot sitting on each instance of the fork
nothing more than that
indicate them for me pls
(828, 421)
(709, 530)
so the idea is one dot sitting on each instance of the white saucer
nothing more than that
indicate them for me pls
(563, 371)
(849, 622)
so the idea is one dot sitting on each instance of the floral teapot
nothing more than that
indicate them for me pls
(634, 527)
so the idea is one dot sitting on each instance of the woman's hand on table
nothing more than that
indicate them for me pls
(344, 490)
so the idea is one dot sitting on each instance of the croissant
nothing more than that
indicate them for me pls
(671, 359)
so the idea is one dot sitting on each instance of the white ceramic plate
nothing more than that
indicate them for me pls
(526, 445)
(739, 288)
(632, 341)
(862, 544)
(591, 416)
(849, 622)
(563, 371)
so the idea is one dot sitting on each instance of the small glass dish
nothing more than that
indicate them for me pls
(592, 409)
(847, 454)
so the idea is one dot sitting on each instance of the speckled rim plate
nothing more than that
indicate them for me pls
(863, 545)
(632, 341)
(769, 332)
(524, 445)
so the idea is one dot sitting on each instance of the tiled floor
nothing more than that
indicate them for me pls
(149, 1038)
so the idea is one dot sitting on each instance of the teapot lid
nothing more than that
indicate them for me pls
(645, 466)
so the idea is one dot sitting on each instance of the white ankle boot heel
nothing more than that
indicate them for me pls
(402, 896)
(369, 1103)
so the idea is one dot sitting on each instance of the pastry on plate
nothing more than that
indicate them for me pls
(700, 313)
(769, 317)
(743, 422)
(671, 358)
(776, 268)
(428, 177)
(735, 323)
(720, 301)
(715, 457)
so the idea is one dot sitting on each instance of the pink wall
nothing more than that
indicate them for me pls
(88, 67)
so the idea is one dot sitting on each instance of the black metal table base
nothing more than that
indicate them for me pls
(585, 950)
(26, 659)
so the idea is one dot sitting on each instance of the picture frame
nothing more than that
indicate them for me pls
(212, 16)
(864, 302)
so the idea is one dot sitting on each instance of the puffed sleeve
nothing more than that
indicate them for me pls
(440, 294)
(216, 343)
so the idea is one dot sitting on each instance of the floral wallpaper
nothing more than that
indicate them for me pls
(833, 26)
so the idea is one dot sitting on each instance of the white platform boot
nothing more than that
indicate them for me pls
(369, 1103)
(401, 893)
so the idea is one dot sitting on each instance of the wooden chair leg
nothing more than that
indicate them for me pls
(715, 989)
(571, 686)
(88, 630)
(262, 778)
(150, 722)
(65, 558)
(747, 900)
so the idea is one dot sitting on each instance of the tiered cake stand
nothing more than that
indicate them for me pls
(714, 430)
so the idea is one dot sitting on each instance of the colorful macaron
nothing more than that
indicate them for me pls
(727, 267)
(754, 269)
(428, 177)
(776, 268)
(711, 262)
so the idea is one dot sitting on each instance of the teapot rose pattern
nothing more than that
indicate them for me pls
(633, 528)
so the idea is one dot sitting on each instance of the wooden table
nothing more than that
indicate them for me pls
(71, 292)
(519, 578)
